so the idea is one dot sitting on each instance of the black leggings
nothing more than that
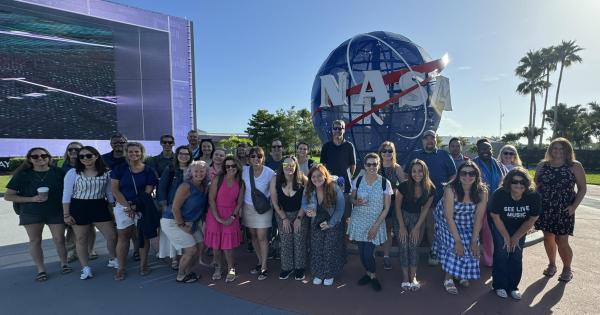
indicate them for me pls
(366, 250)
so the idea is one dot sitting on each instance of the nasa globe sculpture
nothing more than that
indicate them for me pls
(385, 87)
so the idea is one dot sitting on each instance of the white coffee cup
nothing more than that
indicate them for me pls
(43, 191)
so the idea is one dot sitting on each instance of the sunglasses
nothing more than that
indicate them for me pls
(371, 164)
(254, 156)
(466, 173)
(276, 146)
(285, 165)
(387, 151)
(337, 128)
(38, 156)
(508, 153)
(230, 166)
(118, 142)
(519, 182)
(73, 149)
(168, 142)
(88, 156)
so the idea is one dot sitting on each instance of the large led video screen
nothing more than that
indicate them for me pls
(91, 70)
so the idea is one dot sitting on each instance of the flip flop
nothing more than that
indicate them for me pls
(41, 277)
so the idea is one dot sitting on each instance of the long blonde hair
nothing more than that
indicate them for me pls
(517, 161)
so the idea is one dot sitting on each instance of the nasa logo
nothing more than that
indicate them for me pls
(385, 87)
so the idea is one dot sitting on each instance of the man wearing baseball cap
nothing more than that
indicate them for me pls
(441, 170)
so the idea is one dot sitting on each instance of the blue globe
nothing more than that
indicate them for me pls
(398, 122)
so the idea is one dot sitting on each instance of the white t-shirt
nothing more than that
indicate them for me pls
(261, 182)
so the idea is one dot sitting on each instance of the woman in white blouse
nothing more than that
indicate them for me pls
(87, 199)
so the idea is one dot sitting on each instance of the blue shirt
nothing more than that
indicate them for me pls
(441, 168)
(123, 174)
(492, 177)
(168, 184)
(193, 207)
(111, 161)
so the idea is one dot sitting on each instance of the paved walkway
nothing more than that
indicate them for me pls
(158, 292)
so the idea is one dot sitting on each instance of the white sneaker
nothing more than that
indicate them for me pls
(86, 273)
(328, 281)
(515, 294)
(501, 293)
(113, 263)
(317, 281)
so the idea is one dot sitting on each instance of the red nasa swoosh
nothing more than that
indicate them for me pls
(394, 77)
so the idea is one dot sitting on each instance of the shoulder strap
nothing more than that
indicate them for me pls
(383, 185)
(358, 180)
(251, 175)
(220, 179)
(133, 179)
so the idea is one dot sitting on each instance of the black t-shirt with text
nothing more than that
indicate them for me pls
(514, 213)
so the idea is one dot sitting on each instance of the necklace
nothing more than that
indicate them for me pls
(40, 177)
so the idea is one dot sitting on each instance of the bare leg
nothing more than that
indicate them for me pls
(81, 238)
(565, 251)
(144, 255)
(229, 258)
(187, 261)
(255, 244)
(91, 239)
(123, 238)
(263, 244)
(110, 235)
(34, 232)
(405, 277)
(551, 248)
(58, 236)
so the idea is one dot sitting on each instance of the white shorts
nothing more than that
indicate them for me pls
(255, 220)
(122, 219)
(179, 238)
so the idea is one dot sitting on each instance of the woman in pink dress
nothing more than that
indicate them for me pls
(222, 231)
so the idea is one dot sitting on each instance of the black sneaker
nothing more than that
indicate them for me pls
(364, 280)
(284, 274)
(299, 274)
(255, 270)
(375, 285)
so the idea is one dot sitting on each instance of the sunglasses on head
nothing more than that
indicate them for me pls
(87, 156)
(38, 156)
(254, 156)
(508, 153)
(387, 151)
(73, 149)
(371, 164)
(230, 166)
(519, 182)
(467, 173)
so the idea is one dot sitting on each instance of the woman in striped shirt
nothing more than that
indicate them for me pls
(87, 197)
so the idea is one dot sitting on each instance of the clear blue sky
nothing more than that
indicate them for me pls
(265, 54)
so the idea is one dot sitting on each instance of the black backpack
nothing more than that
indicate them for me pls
(383, 180)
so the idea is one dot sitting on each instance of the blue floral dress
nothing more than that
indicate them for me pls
(363, 217)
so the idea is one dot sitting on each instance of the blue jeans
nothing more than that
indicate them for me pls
(366, 251)
(508, 267)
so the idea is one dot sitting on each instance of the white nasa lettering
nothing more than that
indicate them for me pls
(374, 80)
(334, 91)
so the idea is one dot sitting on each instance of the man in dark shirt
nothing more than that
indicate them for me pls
(165, 158)
(455, 150)
(339, 157)
(115, 157)
(441, 170)
(276, 156)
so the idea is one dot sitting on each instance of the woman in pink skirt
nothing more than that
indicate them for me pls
(222, 230)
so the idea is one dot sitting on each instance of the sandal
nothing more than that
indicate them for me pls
(65, 269)
(566, 276)
(174, 264)
(144, 271)
(41, 277)
(405, 286)
(550, 271)
(217, 274)
(189, 278)
(93, 255)
(255, 270)
(415, 285)
(450, 287)
(231, 276)
(120, 275)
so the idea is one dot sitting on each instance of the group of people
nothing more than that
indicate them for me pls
(198, 198)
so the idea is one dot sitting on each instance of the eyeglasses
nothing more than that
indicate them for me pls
(466, 173)
(168, 142)
(38, 156)
(86, 156)
(519, 182)
(387, 151)
(254, 156)
(285, 165)
(508, 153)
(230, 166)
(276, 146)
(73, 149)
(371, 164)
(337, 128)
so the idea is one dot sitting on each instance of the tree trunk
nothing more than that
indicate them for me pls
(530, 131)
(556, 101)
(545, 104)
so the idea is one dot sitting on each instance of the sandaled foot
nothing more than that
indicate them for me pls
(231, 275)
(405, 286)
(41, 277)
(144, 271)
(174, 264)
(566, 276)
(263, 275)
(450, 287)
(255, 270)
(217, 274)
(189, 278)
(120, 275)
(65, 269)
(415, 285)
(550, 271)
(93, 255)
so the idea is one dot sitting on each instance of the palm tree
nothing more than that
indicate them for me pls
(549, 63)
(530, 69)
(566, 54)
